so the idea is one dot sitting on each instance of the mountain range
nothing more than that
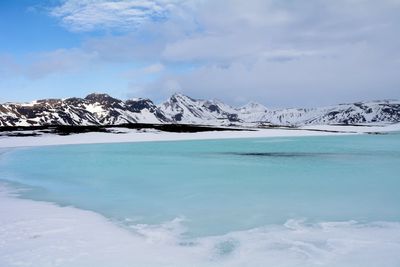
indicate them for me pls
(102, 109)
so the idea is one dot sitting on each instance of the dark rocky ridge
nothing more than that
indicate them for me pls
(22, 131)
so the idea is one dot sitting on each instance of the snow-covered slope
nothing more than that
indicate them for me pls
(95, 109)
(252, 112)
(102, 109)
(386, 111)
(183, 109)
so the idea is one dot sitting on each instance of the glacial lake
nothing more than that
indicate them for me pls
(218, 186)
(299, 201)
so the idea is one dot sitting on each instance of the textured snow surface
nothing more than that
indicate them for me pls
(130, 135)
(34, 234)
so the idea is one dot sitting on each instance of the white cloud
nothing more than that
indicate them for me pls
(8, 65)
(40, 65)
(278, 52)
(142, 73)
(291, 53)
(86, 15)
(154, 68)
(358, 72)
(58, 61)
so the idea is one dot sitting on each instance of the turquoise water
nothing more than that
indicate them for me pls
(218, 186)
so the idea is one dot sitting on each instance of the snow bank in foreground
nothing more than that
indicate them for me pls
(43, 234)
(142, 136)
(135, 136)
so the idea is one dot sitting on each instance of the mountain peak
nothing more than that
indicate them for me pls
(253, 107)
(181, 96)
(97, 97)
(177, 94)
(93, 95)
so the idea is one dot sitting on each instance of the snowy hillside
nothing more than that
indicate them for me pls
(95, 109)
(102, 109)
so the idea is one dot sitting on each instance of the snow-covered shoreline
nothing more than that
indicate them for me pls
(35, 233)
(149, 135)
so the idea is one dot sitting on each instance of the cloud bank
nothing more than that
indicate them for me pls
(281, 53)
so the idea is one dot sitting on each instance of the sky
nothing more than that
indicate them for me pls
(281, 53)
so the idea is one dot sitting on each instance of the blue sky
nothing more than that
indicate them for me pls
(279, 52)
(25, 31)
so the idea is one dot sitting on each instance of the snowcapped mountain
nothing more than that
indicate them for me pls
(252, 112)
(102, 109)
(94, 109)
(385, 111)
(183, 109)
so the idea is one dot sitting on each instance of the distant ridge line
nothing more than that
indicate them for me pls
(98, 109)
